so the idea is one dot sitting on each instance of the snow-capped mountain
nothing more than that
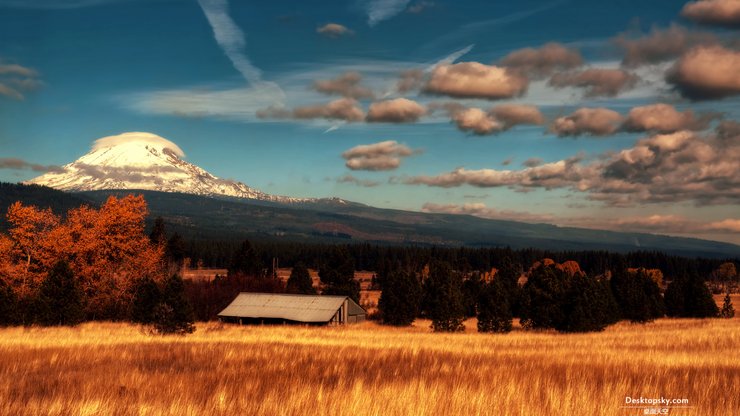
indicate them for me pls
(148, 162)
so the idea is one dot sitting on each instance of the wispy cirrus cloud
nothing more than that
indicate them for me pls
(473, 29)
(380, 10)
(232, 41)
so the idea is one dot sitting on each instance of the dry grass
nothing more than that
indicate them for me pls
(110, 369)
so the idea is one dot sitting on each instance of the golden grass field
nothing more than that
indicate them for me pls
(367, 369)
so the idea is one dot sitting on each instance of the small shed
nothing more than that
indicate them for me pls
(273, 308)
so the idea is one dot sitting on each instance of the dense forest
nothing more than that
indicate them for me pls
(218, 254)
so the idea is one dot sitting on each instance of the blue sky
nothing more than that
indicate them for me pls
(234, 84)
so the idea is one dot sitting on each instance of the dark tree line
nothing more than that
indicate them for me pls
(366, 256)
(553, 297)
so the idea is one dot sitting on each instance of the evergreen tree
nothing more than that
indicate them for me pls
(608, 302)
(176, 249)
(494, 313)
(727, 310)
(158, 234)
(8, 305)
(472, 288)
(60, 299)
(400, 299)
(508, 274)
(174, 314)
(300, 281)
(675, 303)
(444, 298)
(637, 295)
(585, 305)
(688, 297)
(543, 298)
(246, 261)
(146, 298)
(338, 273)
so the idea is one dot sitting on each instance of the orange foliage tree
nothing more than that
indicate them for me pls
(106, 248)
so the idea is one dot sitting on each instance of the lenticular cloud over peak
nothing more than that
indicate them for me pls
(137, 137)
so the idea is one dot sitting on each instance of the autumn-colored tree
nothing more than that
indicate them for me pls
(106, 250)
(109, 251)
(570, 267)
(35, 241)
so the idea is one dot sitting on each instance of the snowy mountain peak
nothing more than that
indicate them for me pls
(145, 161)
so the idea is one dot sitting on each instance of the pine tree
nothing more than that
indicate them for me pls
(338, 273)
(494, 313)
(727, 310)
(585, 305)
(176, 250)
(472, 288)
(400, 299)
(543, 297)
(508, 274)
(688, 297)
(174, 314)
(245, 261)
(158, 235)
(60, 299)
(300, 281)
(444, 298)
(146, 298)
(637, 295)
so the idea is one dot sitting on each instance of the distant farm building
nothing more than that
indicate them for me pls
(270, 308)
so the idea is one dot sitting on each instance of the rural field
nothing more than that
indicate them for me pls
(368, 369)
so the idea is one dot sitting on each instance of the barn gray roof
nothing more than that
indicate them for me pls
(300, 308)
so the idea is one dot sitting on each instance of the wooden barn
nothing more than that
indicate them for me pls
(272, 308)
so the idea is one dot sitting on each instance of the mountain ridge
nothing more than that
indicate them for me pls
(213, 218)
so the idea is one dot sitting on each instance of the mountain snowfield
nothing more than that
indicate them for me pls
(145, 161)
